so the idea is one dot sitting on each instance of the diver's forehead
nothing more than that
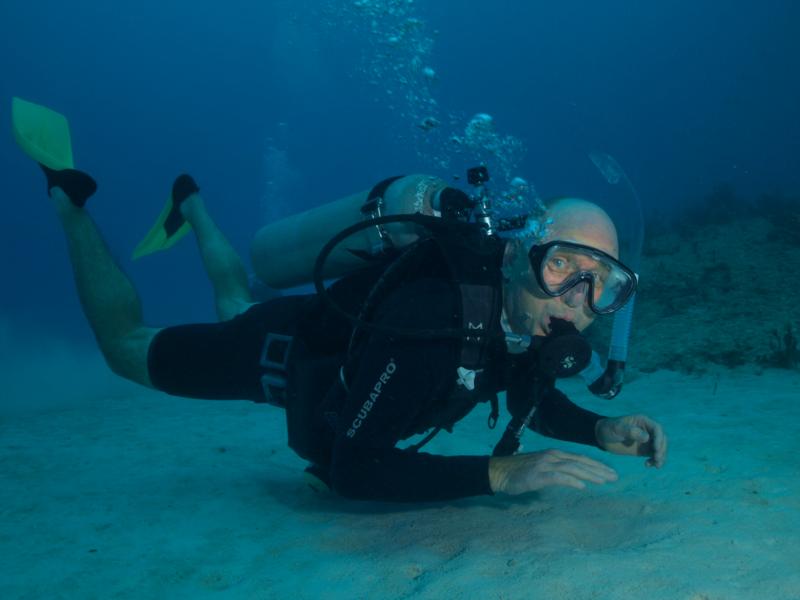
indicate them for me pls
(583, 222)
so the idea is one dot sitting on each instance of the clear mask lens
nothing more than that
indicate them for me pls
(564, 266)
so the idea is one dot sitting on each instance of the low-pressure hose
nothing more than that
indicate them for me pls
(432, 224)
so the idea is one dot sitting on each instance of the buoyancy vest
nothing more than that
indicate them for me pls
(470, 262)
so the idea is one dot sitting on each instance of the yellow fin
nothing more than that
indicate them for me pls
(43, 134)
(157, 238)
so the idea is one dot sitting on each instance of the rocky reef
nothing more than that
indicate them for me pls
(719, 287)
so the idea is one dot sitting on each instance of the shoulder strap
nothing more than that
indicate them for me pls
(478, 303)
(474, 262)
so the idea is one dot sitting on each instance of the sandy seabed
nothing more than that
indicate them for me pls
(112, 491)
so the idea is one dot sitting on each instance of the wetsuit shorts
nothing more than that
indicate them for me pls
(221, 361)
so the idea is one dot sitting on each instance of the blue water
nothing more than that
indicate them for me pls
(685, 94)
(278, 106)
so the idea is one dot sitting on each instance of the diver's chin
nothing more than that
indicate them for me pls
(542, 328)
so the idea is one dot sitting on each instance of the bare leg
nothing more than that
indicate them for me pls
(108, 298)
(223, 266)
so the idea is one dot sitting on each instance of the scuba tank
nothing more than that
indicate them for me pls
(284, 253)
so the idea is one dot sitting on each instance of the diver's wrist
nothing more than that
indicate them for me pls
(495, 475)
(597, 427)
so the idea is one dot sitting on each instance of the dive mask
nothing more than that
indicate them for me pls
(560, 266)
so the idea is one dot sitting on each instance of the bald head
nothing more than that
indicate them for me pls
(580, 221)
(527, 307)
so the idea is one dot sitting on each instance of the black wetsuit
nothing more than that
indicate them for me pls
(396, 387)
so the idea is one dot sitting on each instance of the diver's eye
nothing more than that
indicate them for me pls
(557, 264)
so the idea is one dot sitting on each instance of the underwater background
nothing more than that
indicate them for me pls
(276, 107)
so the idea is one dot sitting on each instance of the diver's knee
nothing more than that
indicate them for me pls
(127, 356)
(230, 308)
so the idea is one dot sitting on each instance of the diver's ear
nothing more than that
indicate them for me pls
(515, 249)
(512, 250)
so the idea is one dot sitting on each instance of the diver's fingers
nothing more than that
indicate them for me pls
(563, 480)
(659, 448)
(639, 434)
(656, 447)
(560, 455)
(583, 472)
(523, 473)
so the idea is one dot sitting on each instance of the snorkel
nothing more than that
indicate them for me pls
(607, 382)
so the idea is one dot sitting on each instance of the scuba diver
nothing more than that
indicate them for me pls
(440, 316)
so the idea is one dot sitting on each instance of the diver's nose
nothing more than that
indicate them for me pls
(576, 296)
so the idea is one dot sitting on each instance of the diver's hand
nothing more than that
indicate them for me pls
(528, 472)
(633, 435)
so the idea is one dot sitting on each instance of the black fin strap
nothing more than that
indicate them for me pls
(77, 185)
(183, 187)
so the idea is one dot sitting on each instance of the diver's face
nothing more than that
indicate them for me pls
(530, 310)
